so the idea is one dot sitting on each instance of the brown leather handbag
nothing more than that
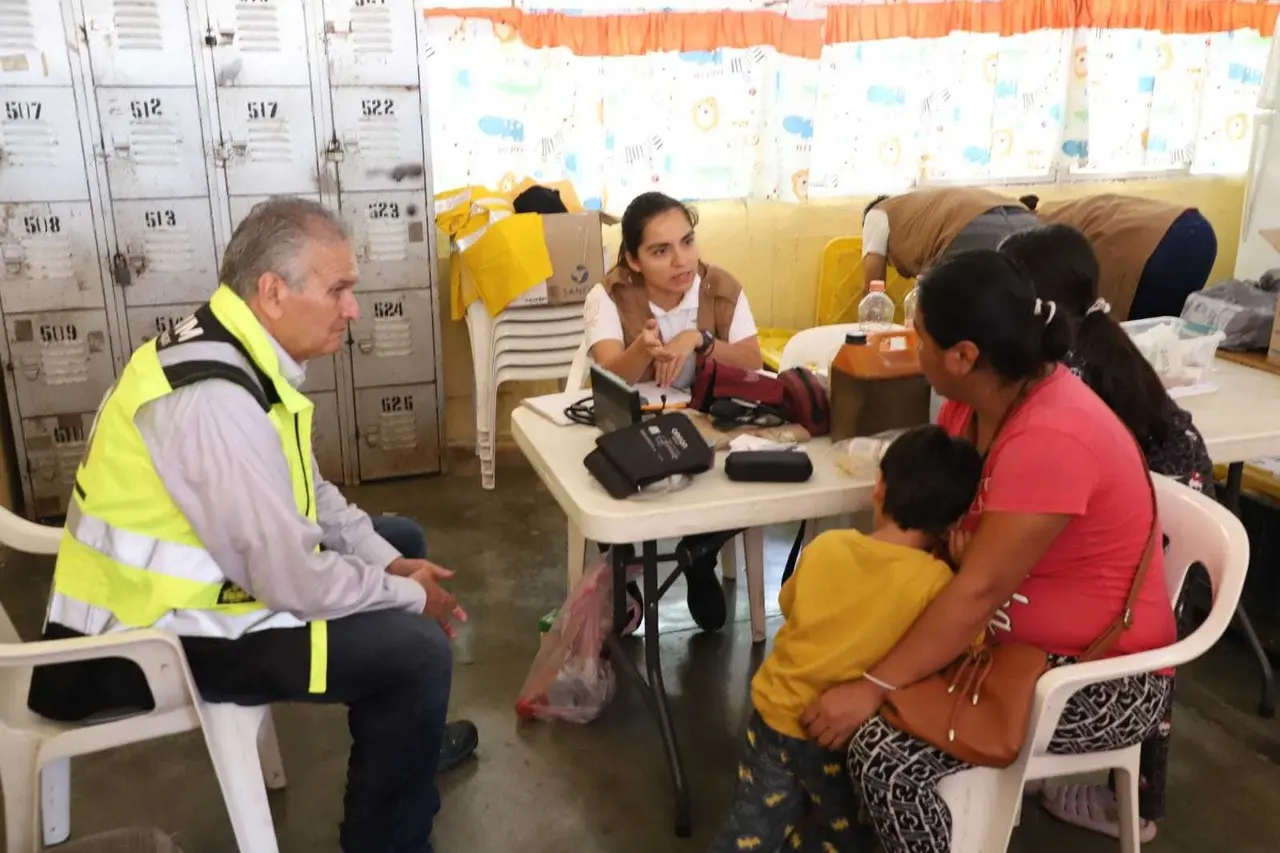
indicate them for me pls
(978, 709)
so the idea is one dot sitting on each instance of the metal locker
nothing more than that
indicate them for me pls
(393, 342)
(33, 46)
(259, 43)
(396, 429)
(153, 146)
(50, 257)
(268, 141)
(326, 439)
(149, 321)
(389, 234)
(371, 42)
(241, 204)
(40, 155)
(167, 245)
(322, 375)
(138, 42)
(61, 361)
(380, 130)
(54, 446)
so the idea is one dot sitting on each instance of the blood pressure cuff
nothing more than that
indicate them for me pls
(630, 458)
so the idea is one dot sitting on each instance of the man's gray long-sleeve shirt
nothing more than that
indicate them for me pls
(222, 461)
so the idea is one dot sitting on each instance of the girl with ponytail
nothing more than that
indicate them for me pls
(1064, 269)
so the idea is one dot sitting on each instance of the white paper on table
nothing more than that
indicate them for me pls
(1192, 390)
(552, 406)
(755, 442)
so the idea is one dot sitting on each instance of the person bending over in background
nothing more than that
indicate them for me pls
(916, 229)
(1151, 254)
(1064, 269)
(659, 308)
(851, 598)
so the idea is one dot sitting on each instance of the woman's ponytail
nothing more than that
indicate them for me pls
(1111, 364)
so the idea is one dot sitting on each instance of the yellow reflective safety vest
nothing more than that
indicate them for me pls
(128, 557)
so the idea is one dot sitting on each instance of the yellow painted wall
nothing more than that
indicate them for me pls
(774, 250)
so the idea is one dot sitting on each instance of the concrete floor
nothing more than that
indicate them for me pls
(542, 788)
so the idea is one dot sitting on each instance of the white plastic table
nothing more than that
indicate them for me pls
(1241, 421)
(710, 503)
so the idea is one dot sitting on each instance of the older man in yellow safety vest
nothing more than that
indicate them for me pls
(199, 509)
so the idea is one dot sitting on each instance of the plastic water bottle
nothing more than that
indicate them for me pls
(875, 311)
(909, 306)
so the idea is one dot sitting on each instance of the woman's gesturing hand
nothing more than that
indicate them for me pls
(833, 717)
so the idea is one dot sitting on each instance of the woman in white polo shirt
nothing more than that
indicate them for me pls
(661, 306)
(659, 309)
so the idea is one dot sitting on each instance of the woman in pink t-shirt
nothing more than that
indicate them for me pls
(1050, 547)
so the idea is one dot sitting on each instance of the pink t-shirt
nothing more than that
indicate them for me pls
(1064, 452)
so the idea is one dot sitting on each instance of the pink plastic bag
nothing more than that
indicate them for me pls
(569, 679)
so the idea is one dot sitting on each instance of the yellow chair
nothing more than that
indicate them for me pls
(1257, 480)
(840, 282)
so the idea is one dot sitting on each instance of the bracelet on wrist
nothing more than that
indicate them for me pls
(883, 685)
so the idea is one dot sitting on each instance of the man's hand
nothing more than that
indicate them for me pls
(678, 351)
(441, 606)
(833, 717)
(406, 567)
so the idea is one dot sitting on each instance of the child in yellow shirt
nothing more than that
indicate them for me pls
(851, 598)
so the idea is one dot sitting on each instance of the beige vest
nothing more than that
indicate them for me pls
(923, 223)
(717, 299)
(1124, 231)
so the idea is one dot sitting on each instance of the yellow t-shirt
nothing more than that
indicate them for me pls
(850, 599)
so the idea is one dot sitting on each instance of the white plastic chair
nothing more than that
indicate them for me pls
(35, 753)
(815, 347)
(522, 344)
(752, 538)
(985, 802)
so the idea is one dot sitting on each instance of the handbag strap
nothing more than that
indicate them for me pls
(1124, 621)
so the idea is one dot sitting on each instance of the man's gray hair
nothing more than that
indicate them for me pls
(274, 238)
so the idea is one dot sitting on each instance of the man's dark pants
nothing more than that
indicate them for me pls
(392, 669)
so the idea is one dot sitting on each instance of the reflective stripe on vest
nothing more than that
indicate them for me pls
(128, 558)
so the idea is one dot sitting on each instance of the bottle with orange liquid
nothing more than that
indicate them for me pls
(877, 385)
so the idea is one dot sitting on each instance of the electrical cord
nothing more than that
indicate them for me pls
(582, 412)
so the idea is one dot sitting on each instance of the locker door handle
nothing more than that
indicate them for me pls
(371, 437)
(30, 367)
(365, 345)
(14, 258)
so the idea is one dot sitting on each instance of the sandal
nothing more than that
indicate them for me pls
(1091, 807)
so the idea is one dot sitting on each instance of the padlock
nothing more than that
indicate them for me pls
(120, 271)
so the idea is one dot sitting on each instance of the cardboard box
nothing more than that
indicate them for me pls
(576, 247)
